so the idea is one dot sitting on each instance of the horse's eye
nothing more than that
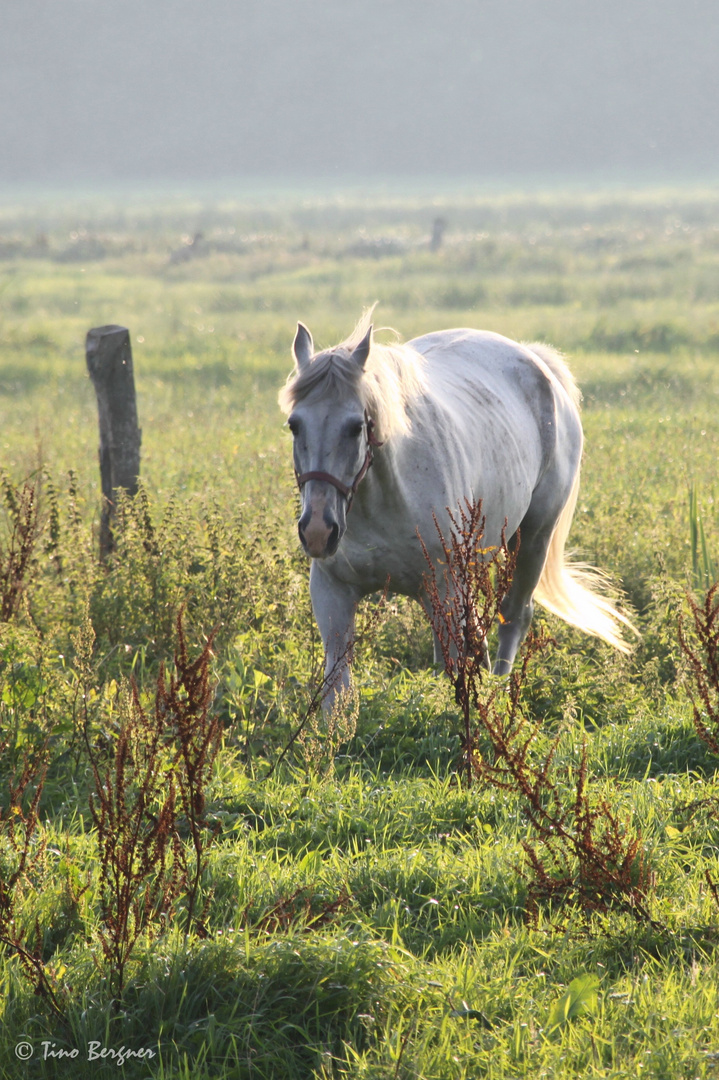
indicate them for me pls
(292, 425)
(355, 430)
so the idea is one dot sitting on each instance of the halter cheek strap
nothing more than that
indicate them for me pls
(348, 490)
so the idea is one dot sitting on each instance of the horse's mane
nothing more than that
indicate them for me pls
(393, 375)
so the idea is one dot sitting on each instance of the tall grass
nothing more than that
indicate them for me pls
(704, 569)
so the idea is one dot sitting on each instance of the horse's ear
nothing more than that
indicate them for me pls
(303, 346)
(362, 351)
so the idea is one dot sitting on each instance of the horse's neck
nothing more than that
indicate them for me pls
(383, 482)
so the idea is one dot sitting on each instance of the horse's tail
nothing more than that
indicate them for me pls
(573, 591)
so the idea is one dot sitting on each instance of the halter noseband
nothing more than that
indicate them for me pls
(348, 490)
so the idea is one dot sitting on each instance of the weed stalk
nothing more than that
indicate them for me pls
(582, 850)
(137, 838)
(18, 827)
(182, 711)
(703, 657)
(16, 555)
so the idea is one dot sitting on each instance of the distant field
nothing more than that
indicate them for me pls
(362, 913)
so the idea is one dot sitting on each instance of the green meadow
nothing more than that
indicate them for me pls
(336, 902)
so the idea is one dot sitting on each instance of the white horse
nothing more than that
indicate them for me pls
(453, 415)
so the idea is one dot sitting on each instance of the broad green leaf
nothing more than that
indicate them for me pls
(311, 863)
(579, 999)
(260, 679)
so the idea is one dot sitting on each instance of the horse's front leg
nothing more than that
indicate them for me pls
(334, 606)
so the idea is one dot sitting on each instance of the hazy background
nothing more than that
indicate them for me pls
(183, 91)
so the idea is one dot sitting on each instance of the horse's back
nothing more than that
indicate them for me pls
(480, 355)
(481, 374)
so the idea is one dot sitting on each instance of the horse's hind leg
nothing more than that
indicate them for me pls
(517, 607)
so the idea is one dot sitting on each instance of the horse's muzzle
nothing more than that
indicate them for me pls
(319, 534)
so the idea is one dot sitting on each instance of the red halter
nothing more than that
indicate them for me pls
(348, 490)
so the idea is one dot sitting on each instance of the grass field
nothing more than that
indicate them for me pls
(353, 909)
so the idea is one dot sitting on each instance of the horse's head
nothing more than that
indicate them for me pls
(333, 439)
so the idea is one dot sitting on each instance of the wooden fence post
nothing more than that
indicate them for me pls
(109, 362)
